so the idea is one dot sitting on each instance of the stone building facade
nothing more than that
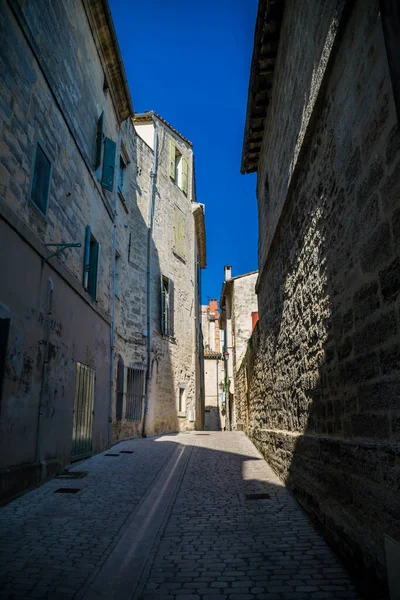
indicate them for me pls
(73, 327)
(238, 307)
(177, 255)
(214, 395)
(323, 388)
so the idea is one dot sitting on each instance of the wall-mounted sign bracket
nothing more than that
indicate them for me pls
(61, 248)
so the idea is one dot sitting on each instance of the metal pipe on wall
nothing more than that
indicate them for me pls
(114, 281)
(153, 180)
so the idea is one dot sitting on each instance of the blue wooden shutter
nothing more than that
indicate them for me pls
(99, 141)
(93, 269)
(107, 178)
(171, 308)
(86, 257)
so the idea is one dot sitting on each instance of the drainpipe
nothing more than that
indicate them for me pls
(114, 281)
(153, 181)
(45, 369)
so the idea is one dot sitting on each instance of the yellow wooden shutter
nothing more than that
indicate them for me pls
(179, 233)
(171, 159)
(184, 175)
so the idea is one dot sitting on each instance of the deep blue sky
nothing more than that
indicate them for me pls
(190, 62)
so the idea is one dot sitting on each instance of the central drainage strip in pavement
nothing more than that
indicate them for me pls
(119, 576)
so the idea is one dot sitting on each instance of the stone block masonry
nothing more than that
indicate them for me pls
(324, 376)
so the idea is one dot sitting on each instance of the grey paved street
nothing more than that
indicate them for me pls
(169, 521)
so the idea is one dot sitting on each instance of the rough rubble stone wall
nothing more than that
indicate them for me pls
(324, 387)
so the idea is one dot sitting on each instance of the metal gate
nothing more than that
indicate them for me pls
(83, 412)
(134, 394)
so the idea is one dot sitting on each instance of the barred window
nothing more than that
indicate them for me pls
(134, 393)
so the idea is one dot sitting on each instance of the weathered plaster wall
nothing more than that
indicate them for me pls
(324, 390)
(30, 111)
(244, 303)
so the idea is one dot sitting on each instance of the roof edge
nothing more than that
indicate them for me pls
(100, 19)
(265, 50)
(147, 116)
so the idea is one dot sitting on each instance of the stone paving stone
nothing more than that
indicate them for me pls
(238, 549)
(57, 540)
(214, 544)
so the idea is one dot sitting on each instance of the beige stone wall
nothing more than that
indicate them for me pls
(324, 388)
(174, 361)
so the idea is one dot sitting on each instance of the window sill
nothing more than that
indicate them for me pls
(182, 258)
(38, 211)
(168, 338)
(177, 185)
(181, 415)
(123, 201)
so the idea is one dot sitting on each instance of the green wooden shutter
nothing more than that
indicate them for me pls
(184, 175)
(99, 141)
(93, 269)
(171, 323)
(172, 159)
(107, 178)
(86, 257)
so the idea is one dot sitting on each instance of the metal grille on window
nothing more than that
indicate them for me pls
(134, 393)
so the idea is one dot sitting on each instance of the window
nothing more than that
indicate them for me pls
(120, 388)
(181, 401)
(178, 168)
(179, 233)
(167, 306)
(41, 176)
(134, 393)
(121, 175)
(91, 263)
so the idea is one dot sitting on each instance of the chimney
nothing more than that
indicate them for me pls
(228, 272)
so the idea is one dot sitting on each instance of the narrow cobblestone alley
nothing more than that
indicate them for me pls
(177, 518)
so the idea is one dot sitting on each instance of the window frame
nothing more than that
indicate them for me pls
(46, 154)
